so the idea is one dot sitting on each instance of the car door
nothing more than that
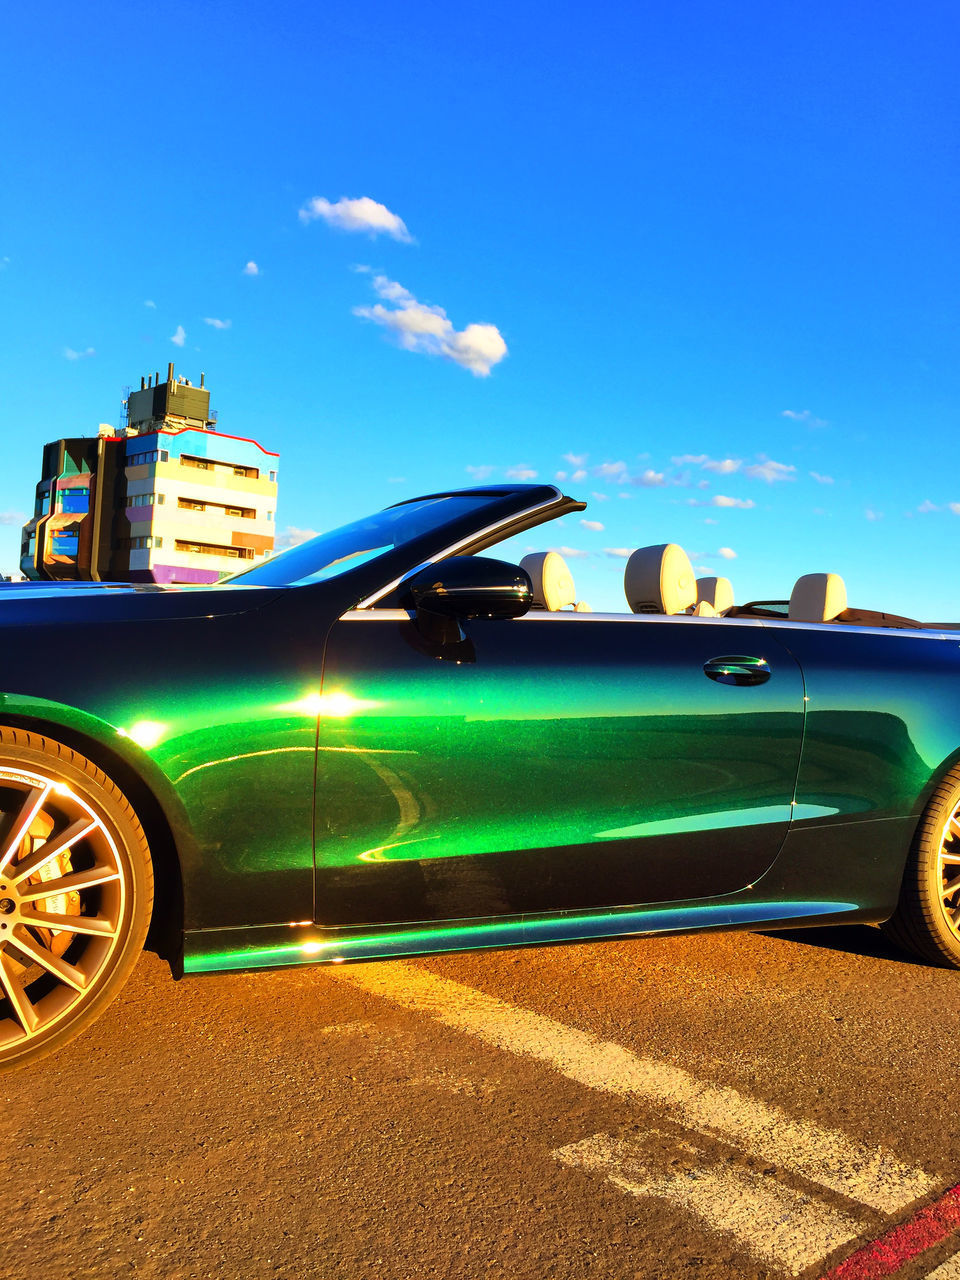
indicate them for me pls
(554, 762)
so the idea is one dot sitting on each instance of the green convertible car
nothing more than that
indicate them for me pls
(385, 742)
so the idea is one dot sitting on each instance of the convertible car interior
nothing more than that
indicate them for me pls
(661, 580)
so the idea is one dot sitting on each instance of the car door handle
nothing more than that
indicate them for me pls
(737, 670)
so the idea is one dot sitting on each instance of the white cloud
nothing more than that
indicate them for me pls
(70, 354)
(570, 553)
(719, 466)
(560, 475)
(600, 497)
(650, 479)
(521, 472)
(397, 480)
(390, 291)
(728, 553)
(954, 507)
(821, 479)
(292, 537)
(361, 268)
(765, 469)
(927, 506)
(217, 324)
(721, 500)
(4, 263)
(419, 326)
(251, 269)
(151, 304)
(593, 525)
(480, 473)
(362, 214)
(771, 471)
(579, 475)
(710, 520)
(180, 337)
(618, 553)
(873, 515)
(805, 416)
(12, 517)
(611, 471)
(576, 459)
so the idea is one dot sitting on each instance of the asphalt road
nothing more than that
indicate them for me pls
(712, 1106)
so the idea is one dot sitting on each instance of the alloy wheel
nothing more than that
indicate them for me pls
(948, 862)
(64, 885)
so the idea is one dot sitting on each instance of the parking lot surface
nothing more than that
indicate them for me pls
(708, 1106)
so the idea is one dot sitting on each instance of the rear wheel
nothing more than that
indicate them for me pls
(76, 890)
(927, 919)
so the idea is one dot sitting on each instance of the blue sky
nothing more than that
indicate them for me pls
(725, 234)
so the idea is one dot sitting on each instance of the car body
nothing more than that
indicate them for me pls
(343, 763)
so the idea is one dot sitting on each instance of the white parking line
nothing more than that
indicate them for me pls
(870, 1175)
(774, 1223)
(949, 1270)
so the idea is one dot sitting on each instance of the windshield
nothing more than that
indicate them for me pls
(352, 545)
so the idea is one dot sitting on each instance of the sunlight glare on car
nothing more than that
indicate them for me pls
(336, 706)
(145, 733)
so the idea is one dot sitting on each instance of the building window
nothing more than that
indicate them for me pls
(211, 464)
(217, 508)
(269, 515)
(65, 542)
(138, 459)
(214, 549)
(142, 544)
(73, 501)
(42, 505)
(145, 499)
(273, 477)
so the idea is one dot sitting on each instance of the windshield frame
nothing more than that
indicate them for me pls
(510, 509)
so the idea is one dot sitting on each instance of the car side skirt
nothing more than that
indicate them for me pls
(273, 946)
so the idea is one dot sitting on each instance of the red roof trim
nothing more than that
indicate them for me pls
(178, 431)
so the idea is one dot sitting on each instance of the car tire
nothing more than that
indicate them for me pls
(927, 918)
(76, 893)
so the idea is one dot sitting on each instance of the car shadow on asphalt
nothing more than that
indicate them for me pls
(855, 939)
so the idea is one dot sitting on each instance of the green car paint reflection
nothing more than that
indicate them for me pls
(548, 774)
(331, 786)
(232, 750)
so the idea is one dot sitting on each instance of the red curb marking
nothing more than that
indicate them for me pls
(889, 1252)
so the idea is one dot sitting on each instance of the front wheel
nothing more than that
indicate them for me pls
(927, 919)
(76, 890)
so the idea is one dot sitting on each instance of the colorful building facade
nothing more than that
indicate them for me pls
(168, 500)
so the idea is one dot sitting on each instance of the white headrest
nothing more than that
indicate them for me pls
(660, 580)
(817, 597)
(582, 607)
(705, 609)
(717, 592)
(552, 581)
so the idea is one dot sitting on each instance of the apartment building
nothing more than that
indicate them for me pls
(169, 499)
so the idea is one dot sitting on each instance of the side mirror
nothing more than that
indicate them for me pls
(446, 593)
